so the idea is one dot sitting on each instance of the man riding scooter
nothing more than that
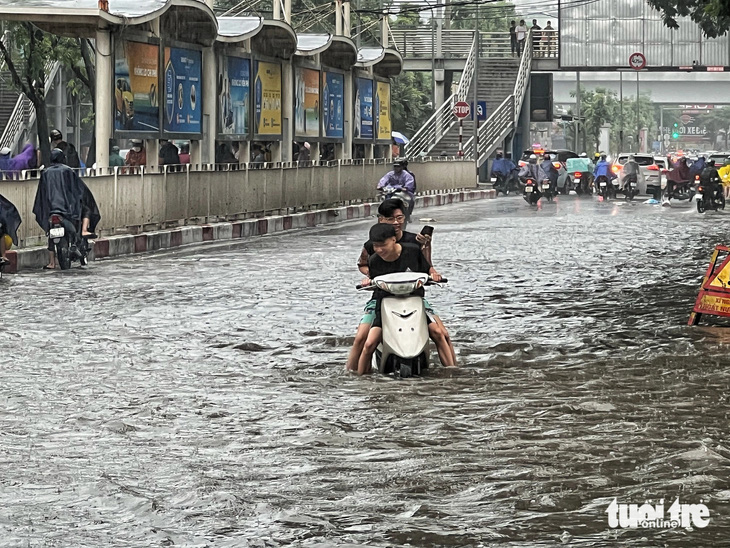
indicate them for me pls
(582, 170)
(551, 172)
(61, 192)
(504, 171)
(678, 179)
(399, 183)
(603, 174)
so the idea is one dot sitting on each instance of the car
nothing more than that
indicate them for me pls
(719, 157)
(652, 173)
(664, 168)
(558, 157)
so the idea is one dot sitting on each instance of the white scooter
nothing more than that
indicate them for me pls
(404, 349)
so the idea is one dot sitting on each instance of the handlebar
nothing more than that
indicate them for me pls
(429, 282)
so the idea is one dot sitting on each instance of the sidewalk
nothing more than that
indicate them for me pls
(126, 244)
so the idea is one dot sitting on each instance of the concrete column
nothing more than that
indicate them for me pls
(287, 11)
(346, 21)
(338, 17)
(287, 111)
(277, 10)
(369, 151)
(152, 148)
(348, 118)
(104, 78)
(195, 153)
(207, 152)
(384, 34)
(60, 121)
(439, 93)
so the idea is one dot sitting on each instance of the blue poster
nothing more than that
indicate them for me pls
(363, 109)
(183, 94)
(333, 105)
(234, 89)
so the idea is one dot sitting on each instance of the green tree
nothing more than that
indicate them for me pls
(598, 108)
(493, 16)
(410, 101)
(629, 126)
(717, 122)
(713, 16)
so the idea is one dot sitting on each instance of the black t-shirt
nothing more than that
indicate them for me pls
(407, 238)
(411, 260)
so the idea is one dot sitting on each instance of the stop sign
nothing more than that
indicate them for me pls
(461, 109)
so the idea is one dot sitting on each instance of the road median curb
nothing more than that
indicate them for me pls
(128, 244)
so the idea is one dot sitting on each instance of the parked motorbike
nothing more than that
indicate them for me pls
(706, 201)
(404, 350)
(531, 192)
(69, 245)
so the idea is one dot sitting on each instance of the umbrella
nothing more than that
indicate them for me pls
(399, 138)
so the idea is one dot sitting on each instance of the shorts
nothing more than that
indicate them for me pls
(372, 313)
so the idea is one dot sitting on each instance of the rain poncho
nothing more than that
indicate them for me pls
(582, 165)
(533, 171)
(25, 160)
(61, 191)
(404, 180)
(603, 168)
(503, 166)
(10, 219)
(681, 173)
(550, 170)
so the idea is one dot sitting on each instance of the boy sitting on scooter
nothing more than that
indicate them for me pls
(391, 257)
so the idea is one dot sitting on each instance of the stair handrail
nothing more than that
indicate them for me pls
(508, 113)
(24, 111)
(443, 117)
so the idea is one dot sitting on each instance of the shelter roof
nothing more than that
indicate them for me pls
(385, 61)
(334, 51)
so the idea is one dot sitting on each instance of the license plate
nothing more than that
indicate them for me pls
(57, 232)
(494, 179)
(528, 189)
(545, 187)
(602, 183)
(615, 183)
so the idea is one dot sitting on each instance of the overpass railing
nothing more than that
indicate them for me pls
(443, 118)
(194, 194)
(506, 116)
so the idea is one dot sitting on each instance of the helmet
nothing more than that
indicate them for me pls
(400, 162)
(546, 156)
(136, 141)
(57, 156)
(533, 159)
(603, 155)
(56, 135)
(711, 162)
(583, 155)
(499, 155)
(508, 155)
(115, 148)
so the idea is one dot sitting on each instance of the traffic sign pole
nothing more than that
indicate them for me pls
(461, 111)
(461, 146)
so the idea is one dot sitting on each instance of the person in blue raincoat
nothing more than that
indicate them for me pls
(603, 168)
(550, 171)
(503, 167)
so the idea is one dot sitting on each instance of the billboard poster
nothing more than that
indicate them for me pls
(333, 105)
(306, 102)
(363, 109)
(183, 99)
(234, 90)
(382, 110)
(136, 97)
(267, 90)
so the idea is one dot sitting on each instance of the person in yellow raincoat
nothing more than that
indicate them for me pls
(724, 172)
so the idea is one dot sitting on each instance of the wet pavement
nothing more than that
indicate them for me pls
(197, 397)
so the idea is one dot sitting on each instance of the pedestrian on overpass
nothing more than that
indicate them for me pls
(521, 32)
(513, 38)
(536, 37)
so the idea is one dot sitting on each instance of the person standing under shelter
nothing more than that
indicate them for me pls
(137, 155)
(115, 160)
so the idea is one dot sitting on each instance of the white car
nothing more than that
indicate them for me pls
(664, 168)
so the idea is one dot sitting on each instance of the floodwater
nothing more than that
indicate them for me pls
(197, 398)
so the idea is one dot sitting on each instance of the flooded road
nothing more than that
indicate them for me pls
(197, 398)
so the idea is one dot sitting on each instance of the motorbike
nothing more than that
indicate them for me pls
(582, 182)
(631, 187)
(407, 198)
(547, 190)
(682, 190)
(69, 245)
(531, 192)
(606, 188)
(404, 350)
(504, 183)
(705, 201)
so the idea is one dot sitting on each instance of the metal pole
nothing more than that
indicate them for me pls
(638, 120)
(475, 83)
(577, 110)
(661, 130)
(621, 105)
(461, 130)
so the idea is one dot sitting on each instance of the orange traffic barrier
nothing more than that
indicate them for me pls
(714, 296)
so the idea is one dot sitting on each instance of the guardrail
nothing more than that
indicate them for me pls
(506, 115)
(24, 112)
(443, 118)
(421, 43)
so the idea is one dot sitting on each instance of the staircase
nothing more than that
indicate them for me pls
(496, 82)
(8, 98)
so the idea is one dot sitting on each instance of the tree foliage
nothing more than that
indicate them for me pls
(713, 16)
(598, 108)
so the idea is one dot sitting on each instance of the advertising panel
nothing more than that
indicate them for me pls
(234, 90)
(306, 102)
(136, 96)
(333, 105)
(363, 109)
(183, 94)
(267, 90)
(382, 109)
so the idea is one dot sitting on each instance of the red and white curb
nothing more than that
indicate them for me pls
(127, 244)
